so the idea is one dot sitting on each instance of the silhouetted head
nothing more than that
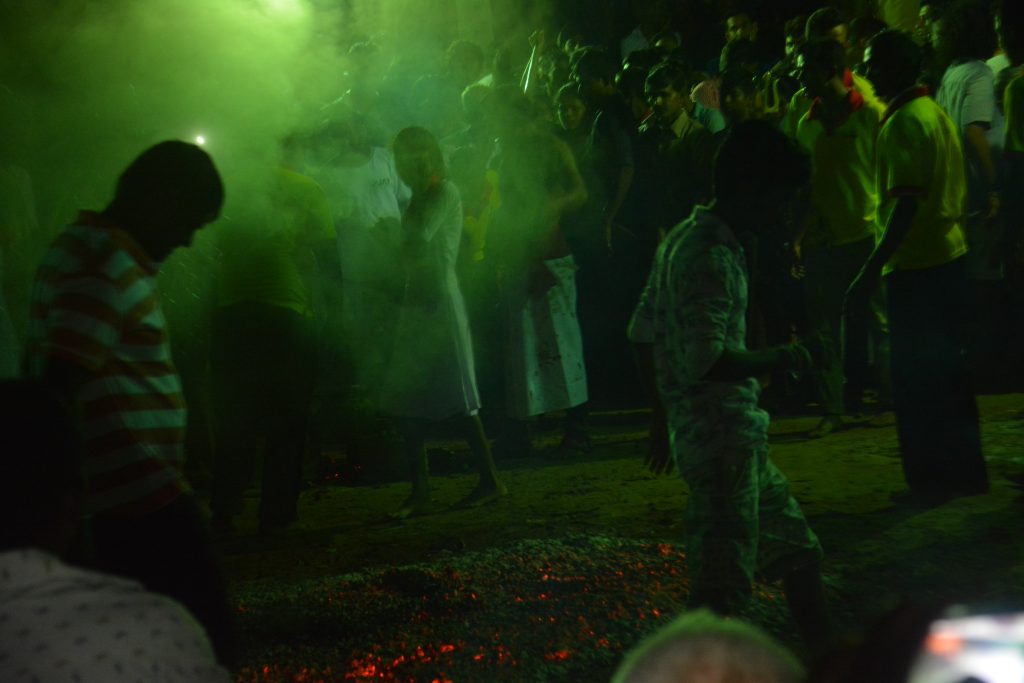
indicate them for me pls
(892, 62)
(170, 191)
(964, 30)
(571, 107)
(668, 91)
(418, 158)
(820, 60)
(41, 484)
(828, 22)
(1010, 27)
(757, 173)
(740, 25)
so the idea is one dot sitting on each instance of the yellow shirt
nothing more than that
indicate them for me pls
(919, 155)
(266, 256)
(901, 14)
(1013, 106)
(843, 173)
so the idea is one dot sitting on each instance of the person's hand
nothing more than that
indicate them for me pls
(541, 281)
(538, 39)
(797, 358)
(659, 458)
(994, 203)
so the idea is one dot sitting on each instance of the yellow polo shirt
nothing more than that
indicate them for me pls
(1013, 106)
(919, 155)
(843, 173)
(266, 252)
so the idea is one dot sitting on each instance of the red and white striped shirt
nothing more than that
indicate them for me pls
(95, 306)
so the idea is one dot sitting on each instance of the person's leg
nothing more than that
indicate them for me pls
(237, 368)
(489, 488)
(576, 437)
(171, 552)
(914, 385)
(292, 379)
(961, 465)
(825, 288)
(721, 534)
(878, 331)
(789, 549)
(414, 442)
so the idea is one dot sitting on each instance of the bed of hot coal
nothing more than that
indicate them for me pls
(538, 610)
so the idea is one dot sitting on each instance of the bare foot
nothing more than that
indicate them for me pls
(825, 427)
(483, 494)
(413, 507)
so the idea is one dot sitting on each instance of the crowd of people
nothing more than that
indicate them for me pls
(835, 219)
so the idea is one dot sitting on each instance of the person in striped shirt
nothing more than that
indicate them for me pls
(98, 337)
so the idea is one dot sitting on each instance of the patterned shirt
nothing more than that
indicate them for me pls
(60, 623)
(693, 308)
(95, 306)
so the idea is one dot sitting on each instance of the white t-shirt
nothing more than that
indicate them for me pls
(360, 196)
(60, 623)
(968, 95)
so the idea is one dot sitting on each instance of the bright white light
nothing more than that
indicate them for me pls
(200, 140)
(290, 7)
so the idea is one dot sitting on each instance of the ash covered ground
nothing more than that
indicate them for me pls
(585, 557)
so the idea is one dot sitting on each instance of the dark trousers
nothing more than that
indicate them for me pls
(263, 367)
(169, 551)
(830, 270)
(936, 414)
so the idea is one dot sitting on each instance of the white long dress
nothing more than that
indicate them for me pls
(431, 374)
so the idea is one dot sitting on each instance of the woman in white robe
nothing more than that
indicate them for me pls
(431, 375)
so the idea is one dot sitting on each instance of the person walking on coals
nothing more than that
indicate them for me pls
(690, 331)
(431, 375)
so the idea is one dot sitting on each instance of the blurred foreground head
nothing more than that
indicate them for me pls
(170, 191)
(700, 647)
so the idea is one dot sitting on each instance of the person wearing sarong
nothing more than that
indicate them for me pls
(544, 368)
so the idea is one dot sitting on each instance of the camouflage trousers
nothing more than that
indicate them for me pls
(741, 520)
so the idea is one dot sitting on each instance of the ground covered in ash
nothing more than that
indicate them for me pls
(585, 557)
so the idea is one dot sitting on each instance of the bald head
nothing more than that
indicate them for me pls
(700, 647)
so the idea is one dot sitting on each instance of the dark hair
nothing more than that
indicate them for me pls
(865, 28)
(899, 53)
(966, 31)
(41, 462)
(175, 177)
(673, 74)
(746, 8)
(595, 64)
(822, 21)
(465, 50)
(757, 157)
(825, 54)
(795, 27)
(422, 143)
(631, 81)
(645, 59)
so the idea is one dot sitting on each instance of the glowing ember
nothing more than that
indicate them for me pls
(539, 610)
